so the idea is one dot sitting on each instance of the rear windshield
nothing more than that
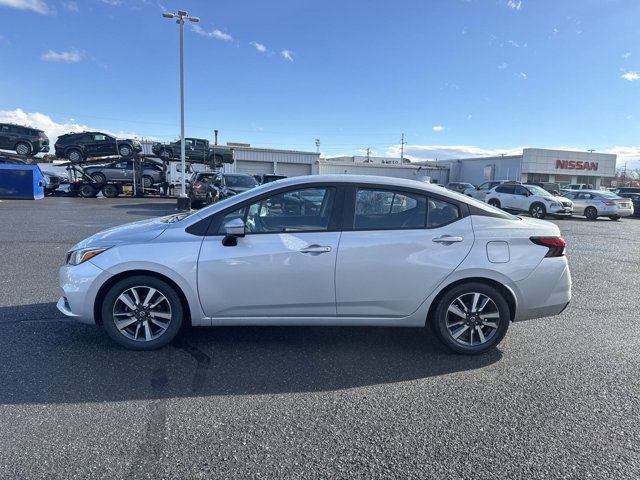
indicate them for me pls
(608, 195)
(242, 181)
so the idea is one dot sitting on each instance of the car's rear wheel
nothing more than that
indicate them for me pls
(99, 177)
(74, 155)
(88, 191)
(142, 313)
(494, 203)
(110, 191)
(615, 218)
(23, 148)
(147, 181)
(591, 213)
(125, 150)
(538, 210)
(471, 318)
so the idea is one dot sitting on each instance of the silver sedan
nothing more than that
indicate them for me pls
(598, 203)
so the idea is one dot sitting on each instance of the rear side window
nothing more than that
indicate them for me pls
(386, 209)
(441, 213)
(505, 189)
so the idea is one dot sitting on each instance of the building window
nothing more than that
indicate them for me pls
(537, 177)
(590, 181)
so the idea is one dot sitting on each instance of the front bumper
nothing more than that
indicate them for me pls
(80, 285)
(561, 211)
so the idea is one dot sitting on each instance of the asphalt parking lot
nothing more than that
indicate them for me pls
(559, 398)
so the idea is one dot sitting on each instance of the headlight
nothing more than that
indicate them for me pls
(555, 204)
(76, 257)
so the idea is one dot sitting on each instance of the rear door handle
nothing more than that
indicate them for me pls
(448, 239)
(315, 249)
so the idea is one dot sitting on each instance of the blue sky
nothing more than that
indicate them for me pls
(458, 77)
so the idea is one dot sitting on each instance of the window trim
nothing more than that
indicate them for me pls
(348, 214)
(334, 218)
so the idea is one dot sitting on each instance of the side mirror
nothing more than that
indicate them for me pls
(235, 228)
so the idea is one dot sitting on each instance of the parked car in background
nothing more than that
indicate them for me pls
(196, 150)
(635, 200)
(578, 186)
(229, 184)
(336, 250)
(53, 181)
(459, 187)
(122, 171)
(76, 147)
(480, 192)
(628, 190)
(23, 140)
(597, 203)
(201, 190)
(529, 198)
(268, 177)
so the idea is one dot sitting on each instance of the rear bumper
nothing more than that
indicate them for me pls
(546, 292)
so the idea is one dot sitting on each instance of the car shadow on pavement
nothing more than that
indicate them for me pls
(148, 209)
(60, 361)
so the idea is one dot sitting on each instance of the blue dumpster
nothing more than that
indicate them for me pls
(24, 182)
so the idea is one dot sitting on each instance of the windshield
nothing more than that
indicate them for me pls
(536, 190)
(242, 181)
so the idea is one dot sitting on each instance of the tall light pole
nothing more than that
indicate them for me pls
(181, 16)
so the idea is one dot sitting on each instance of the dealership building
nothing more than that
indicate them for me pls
(535, 165)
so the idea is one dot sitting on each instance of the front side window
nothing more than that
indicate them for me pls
(303, 210)
(386, 209)
(484, 186)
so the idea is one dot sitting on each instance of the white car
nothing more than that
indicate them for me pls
(322, 250)
(529, 198)
(597, 203)
(480, 192)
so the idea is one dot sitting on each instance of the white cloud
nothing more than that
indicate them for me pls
(523, 75)
(258, 46)
(626, 55)
(287, 54)
(503, 65)
(215, 33)
(513, 43)
(450, 152)
(631, 76)
(37, 6)
(71, 56)
(71, 6)
(514, 4)
(437, 128)
(52, 128)
(469, 116)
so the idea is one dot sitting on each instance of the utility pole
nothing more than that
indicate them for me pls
(368, 155)
(317, 145)
(591, 150)
(183, 201)
(402, 144)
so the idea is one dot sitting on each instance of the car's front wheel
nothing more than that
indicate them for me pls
(471, 318)
(125, 150)
(142, 313)
(538, 210)
(494, 202)
(99, 177)
(591, 213)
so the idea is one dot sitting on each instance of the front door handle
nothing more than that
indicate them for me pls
(448, 239)
(315, 249)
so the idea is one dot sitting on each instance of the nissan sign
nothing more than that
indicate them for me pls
(575, 165)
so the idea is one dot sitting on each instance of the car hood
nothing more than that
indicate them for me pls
(136, 232)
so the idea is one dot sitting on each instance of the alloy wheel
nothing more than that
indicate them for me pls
(537, 211)
(472, 319)
(22, 149)
(74, 156)
(142, 313)
(125, 151)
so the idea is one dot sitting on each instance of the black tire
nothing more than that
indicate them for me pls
(23, 148)
(172, 306)
(74, 155)
(538, 210)
(99, 177)
(110, 191)
(125, 150)
(440, 320)
(494, 202)
(88, 191)
(591, 213)
(147, 181)
(208, 200)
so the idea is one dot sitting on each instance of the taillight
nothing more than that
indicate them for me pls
(196, 184)
(556, 245)
(609, 202)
